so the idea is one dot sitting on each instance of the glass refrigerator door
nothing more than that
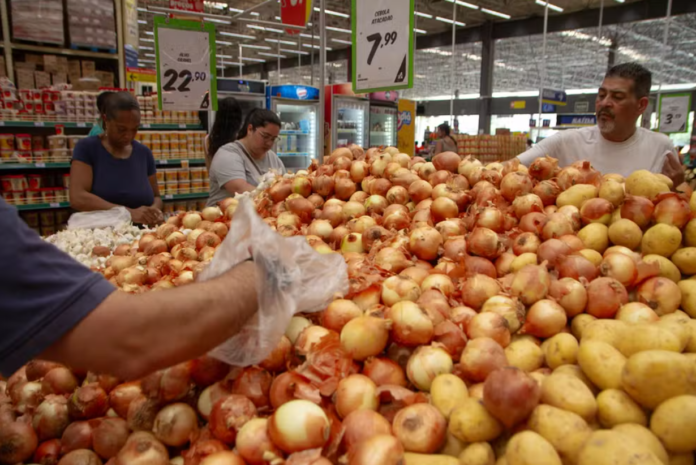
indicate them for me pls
(349, 122)
(297, 143)
(382, 126)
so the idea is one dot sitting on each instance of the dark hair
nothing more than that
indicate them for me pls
(228, 120)
(444, 127)
(639, 74)
(203, 117)
(258, 117)
(119, 101)
(101, 100)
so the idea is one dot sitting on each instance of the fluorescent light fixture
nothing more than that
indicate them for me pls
(334, 13)
(551, 5)
(144, 10)
(260, 47)
(449, 21)
(286, 42)
(341, 41)
(308, 36)
(424, 15)
(296, 52)
(253, 59)
(620, 1)
(219, 21)
(338, 29)
(146, 40)
(682, 86)
(495, 13)
(267, 29)
(461, 3)
(224, 56)
(255, 13)
(437, 51)
(446, 97)
(142, 21)
(272, 55)
(221, 6)
(277, 18)
(421, 31)
(151, 55)
(150, 33)
(234, 34)
(314, 46)
(222, 42)
(523, 93)
(142, 47)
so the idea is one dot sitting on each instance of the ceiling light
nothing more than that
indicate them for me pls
(274, 55)
(309, 36)
(219, 21)
(421, 31)
(449, 21)
(234, 34)
(468, 5)
(551, 6)
(297, 52)
(276, 41)
(222, 42)
(151, 55)
(144, 10)
(142, 39)
(142, 47)
(314, 46)
(495, 13)
(254, 13)
(260, 47)
(341, 41)
(338, 29)
(253, 59)
(224, 56)
(334, 13)
(150, 33)
(277, 18)
(142, 21)
(619, 1)
(267, 29)
(424, 15)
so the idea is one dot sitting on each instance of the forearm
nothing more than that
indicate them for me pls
(158, 204)
(87, 202)
(132, 335)
(237, 186)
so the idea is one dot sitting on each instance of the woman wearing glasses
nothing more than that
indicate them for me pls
(238, 166)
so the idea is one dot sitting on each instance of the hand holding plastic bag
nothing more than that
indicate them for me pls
(99, 219)
(293, 278)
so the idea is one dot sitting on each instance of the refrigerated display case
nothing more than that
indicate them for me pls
(383, 121)
(249, 94)
(298, 110)
(349, 121)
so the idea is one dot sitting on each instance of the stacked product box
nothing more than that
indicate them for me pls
(174, 145)
(91, 23)
(38, 21)
(151, 115)
(35, 148)
(33, 189)
(47, 222)
(489, 149)
(46, 104)
(183, 181)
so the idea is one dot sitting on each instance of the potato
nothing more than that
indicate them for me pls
(689, 232)
(661, 239)
(602, 363)
(530, 448)
(681, 459)
(476, 391)
(646, 437)
(411, 458)
(665, 180)
(648, 336)
(501, 461)
(524, 354)
(685, 259)
(566, 431)
(579, 323)
(653, 376)
(677, 324)
(575, 370)
(614, 448)
(576, 195)
(674, 422)
(453, 446)
(569, 393)
(667, 269)
(447, 392)
(691, 346)
(609, 331)
(615, 407)
(592, 255)
(561, 349)
(635, 313)
(645, 183)
(472, 423)
(626, 233)
(688, 301)
(478, 453)
(595, 236)
(522, 260)
(613, 191)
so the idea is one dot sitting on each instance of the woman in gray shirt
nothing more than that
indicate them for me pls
(238, 166)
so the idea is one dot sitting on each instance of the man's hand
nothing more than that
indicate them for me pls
(146, 215)
(673, 168)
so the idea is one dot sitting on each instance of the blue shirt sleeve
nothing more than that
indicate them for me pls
(83, 151)
(43, 295)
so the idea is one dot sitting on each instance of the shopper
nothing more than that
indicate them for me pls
(113, 169)
(228, 121)
(445, 142)
(615, 144)
(98, 127)
(238, 166)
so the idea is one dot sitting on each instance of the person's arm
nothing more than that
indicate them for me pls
(131, 335)
(438, 147)
(237, 186)
(550, 146)
(228, 168)
(81, 197)
(152, 177)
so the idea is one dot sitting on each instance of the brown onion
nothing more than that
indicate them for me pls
(122, 395)
(364, 337)
(254, 383)
(175, 425)
(78, 435)
(109, 436)
(510, 395)
(51, 417)
(478, 289)
(420, 428)
(511, 309)
(543, 168)
(298, 425)
(544, 319)
(515, 184)
(89, 401)
(253, 441)
(411, 326)
(481, 357)
(485, 243)
(596, 210)
(384, 371)
(570, 294)
(424, 243)
(525, 243)
(672, 209)
(47, 453)
(660, 294)
(479, 265)
(527, 203)
(425, 364)
(491, 325)
(531, 283)
(621, 267)
(605, 296)
(80, 457)
(142, 448)
(382, 449)
(576, 267)
(533, 222)
(228, 415)
(637, 209)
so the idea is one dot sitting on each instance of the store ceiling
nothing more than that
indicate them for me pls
(575, 59)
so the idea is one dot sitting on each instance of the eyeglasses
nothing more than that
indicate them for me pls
(267, 137)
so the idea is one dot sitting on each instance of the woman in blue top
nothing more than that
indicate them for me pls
(113, 169)
(98, 127)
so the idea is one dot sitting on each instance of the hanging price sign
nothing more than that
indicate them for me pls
(382, 45)
(674, 113)
(186, 75)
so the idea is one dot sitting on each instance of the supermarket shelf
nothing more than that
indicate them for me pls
(304, 133)
(198, 195)
(192, 162)
(169, 126)
(64, 51)
(43, 124)
(293, 154)
(43, 206)
(346, 130)
(32, 166)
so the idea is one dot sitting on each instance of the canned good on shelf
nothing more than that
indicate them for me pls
(14, 182)
(66, 180)
(23, 141)
(23, 156)
(47, 195)
(41, 155)
(206, 185)
(160, 175)
(37, 142)
(31, 219)
(200, 205)
(18, 198)
(183, 175)
(34, 181)
(196, 173)
(33, 196)
(168, 208)
(170, 175)
(7, 156)
(197, 186)
(48, 230)
(60, 155)
(57, 142)
(48, 218)
(7, 142)
(171, 187)
(60, 194)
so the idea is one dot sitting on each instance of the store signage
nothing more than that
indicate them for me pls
(131, 37)
(532, 123)
(186, 75)
(546, 123)
(406, 127)
(548, 108)
(295, 12)
(141, 75)
(187, 5)
(674, 113)
(554, 97)
(382, 45)
(388, 96)
(581, 107)
(577, 120)
(518, 105)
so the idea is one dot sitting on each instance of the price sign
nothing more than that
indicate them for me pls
(674, 113)
(186, 75)
(382, 45)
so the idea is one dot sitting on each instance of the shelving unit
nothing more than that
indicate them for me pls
(293, 154)
(43, 206)
(44, 124)
(291, 132)
(197, 195)
(32, 166)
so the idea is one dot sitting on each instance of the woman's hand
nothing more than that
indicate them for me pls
(146, 215)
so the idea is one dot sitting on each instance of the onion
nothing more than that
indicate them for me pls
(491, 325)
(298, 425)
(361, 425)
(253, 441)
(515, 184)
(605, 296)
(485, 243)
(191, 221)
(424, 243)
(435, 305)
(446, 161)
(390, 259)
(527, 203)
(439, 177)
(338, 313)
(553, 251)
(175, 425)
(596, 210)
(636, 312)
(570, 294)
(478, 289)
(510, 309)
(88, 401)
(381, 449)
(80, 457)
(201, 449)
(420, 190)
(441, 282)
(209, 397)
(310, 336)
(547, 191)
(301, 207)
(672, 209)
(637, 209)
(481, 357)
(317, 200)
(425, 364)
(372, 235)
(533, 222)
(141, 413)
(576, 267)
(51, 417)
(59, 380)
(573, 241)
(449, 229)
(383, 371)
(479, 265)
(207, 370)
(352, 243)
(660, 294)
(301, 185)
(355, 392)
(621, 267)
(142, 448)
(254, 383)
(531, 284)
(122, 395)
(411, 326)
(352, 210)
(491, 218)
(443, 208)
(170, 384)
(224, 457)
(455, 248)
(502, 263)
(420, 428)
(545, 318)
(526, 243)
(18, 441)
(228, 415)
(47, 453)
(358, 171)
(558, 225)
(543, 168)
(364, 337)
(510, 395)
(78, 435)
(109, 436)
(211, 213)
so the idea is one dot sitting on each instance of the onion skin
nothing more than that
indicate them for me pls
(78, 435)
(80, 457)
(384, 371)
(48, 452)
(18, 441)
(142, 448)
(361, 425)
(51, 417)
(122, 395)
(420, 428)
(510, 395)
(481, 357)
(109, 436)
(298, 425)
(228, 415)
(605, 296)
(176, 425)
(378, 450)
(253, 441)
(89, 401)
(254, 383)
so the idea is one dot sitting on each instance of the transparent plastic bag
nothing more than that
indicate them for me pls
(294, 278)
(99, 219)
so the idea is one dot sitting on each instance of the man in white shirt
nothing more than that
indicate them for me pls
(615, 144)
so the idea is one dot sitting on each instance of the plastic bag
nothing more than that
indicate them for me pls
(295, 278)
(99, 219)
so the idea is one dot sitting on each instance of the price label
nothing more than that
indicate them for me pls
(164, 162)
(2, 123)
(146, 126)
(169, 197)
(40, 165)
(382, 45)
(81, 125)
(182, 126)
(54, 205)
(674, 113)
(38, 124)
(185, 64)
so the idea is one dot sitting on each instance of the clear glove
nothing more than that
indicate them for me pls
(293, 278)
